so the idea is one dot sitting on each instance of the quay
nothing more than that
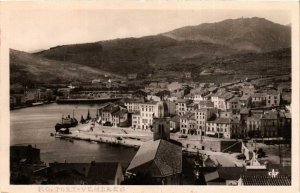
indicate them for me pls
(86, 101)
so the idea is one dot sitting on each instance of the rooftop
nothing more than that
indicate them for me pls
(256, 180)
(159, 158)
(270, 115)
(188, 115)
(187, 101)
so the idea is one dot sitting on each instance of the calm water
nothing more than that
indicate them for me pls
(33, 126)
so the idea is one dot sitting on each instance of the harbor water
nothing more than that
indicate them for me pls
(33, 126)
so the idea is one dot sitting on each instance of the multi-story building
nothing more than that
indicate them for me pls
(223, 128)
(188, 124)
(200, 96)
(132, 106)
(202, 116)
(136, 120)
(245, 100)
(147, 112)
(120, 118)
(233, 104)
(253, 126)
(182, 106)
(175, 123)
(106, 113)
(272, 98)
(31, 95)
(220, 100)
(258, 99)
(269, 124)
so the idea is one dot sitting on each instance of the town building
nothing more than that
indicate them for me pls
(133, 106)
(121, 118)
(258, 99)
(175, 123)
(223, 128)
(114, 115)
(220, 100)
(188, 124)
(233, 104)
(200, 96)
(272, 98)
(182, 106)
(202, 115)
(245, 100)
(253, 126)
(269, 124)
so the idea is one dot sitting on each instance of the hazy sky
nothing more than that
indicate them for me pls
(42, 29)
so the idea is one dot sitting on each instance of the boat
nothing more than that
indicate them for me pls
(51, 134)
(66, 123)
(71, 140)
(37, 103)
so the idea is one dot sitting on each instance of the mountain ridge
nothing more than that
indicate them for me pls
(186, 48)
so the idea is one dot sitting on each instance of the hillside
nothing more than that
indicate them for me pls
(254, 34)
(29, 69)
(139, 55)
(184, 49)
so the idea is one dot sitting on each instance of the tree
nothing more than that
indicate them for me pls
(88, 117)
(82, 120)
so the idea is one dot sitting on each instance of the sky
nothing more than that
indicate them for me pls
(41, 29)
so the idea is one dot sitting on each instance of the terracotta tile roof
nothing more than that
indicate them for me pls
(253, 180)
(159, 158)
